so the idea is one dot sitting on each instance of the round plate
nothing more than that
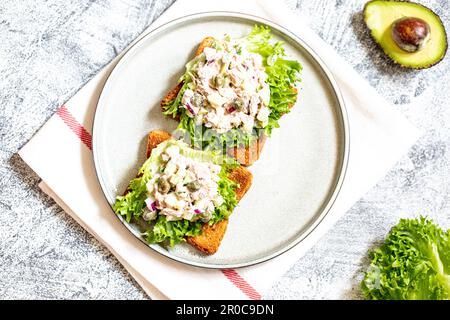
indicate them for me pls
(302, 165)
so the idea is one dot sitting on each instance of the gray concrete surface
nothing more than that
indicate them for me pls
(49, 49)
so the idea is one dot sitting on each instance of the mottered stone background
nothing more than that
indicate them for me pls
(49, 49)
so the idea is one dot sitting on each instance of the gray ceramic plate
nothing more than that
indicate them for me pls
(301, 168)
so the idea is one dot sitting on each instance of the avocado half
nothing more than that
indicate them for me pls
(380, 15)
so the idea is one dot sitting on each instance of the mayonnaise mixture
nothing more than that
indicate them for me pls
(229, 89)
(185, 189)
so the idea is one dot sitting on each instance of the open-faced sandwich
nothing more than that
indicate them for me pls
(182, 194)
(233, 93)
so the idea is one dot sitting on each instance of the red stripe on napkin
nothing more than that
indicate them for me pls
(75, 126)
(240, 282)
(86, 138)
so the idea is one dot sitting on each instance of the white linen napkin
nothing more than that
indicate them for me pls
(60, 153)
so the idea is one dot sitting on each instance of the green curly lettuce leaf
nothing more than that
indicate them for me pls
(172, 232)
(412, 264)
(283, 75)
(172, 108)
(131, 205)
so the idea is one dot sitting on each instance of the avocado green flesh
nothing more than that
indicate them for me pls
(380, 15)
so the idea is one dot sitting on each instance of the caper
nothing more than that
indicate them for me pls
(193, 186)
(219, 81)
(197, 99)
(163, 185)
(181, 194)
(212, 82)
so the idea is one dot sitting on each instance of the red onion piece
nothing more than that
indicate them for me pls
(150, 205)
(231, 109)
(188, 106)
(197, 211)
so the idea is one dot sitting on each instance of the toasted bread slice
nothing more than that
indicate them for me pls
(209, 241)
(211, 237)
(246, 156)
(244, 178)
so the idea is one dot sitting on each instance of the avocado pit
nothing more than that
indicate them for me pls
(410, 34)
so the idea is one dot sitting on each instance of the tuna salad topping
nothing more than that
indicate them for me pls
(228, 89)
(184, 188)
